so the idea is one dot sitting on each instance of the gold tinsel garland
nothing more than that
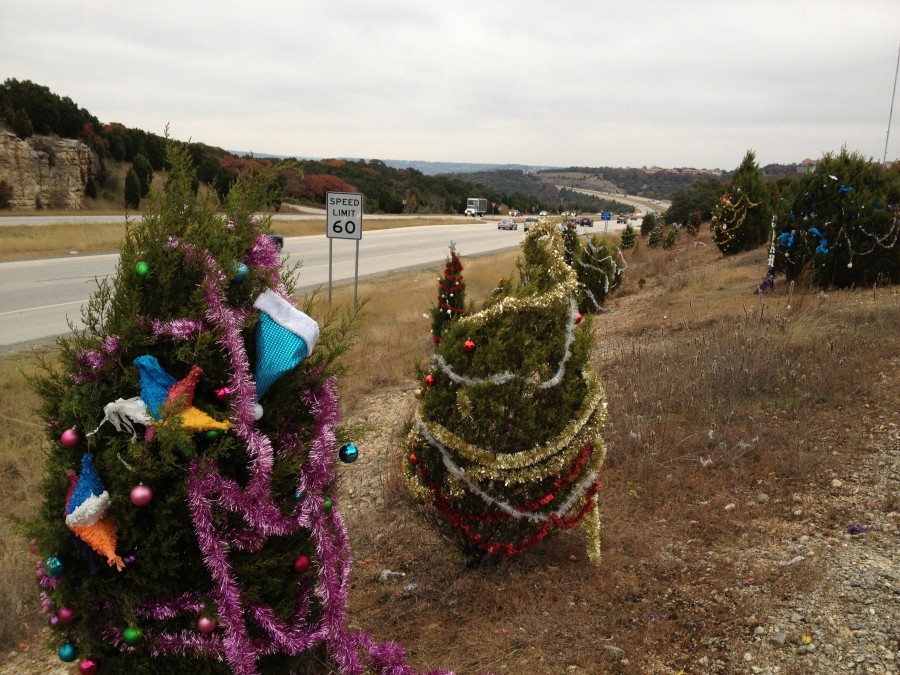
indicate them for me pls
(735, 212)
(491, 463)
(557, 269)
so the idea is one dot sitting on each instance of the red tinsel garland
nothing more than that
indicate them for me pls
(455, 518)
(455, 289)
(444, 305)
(563, 481)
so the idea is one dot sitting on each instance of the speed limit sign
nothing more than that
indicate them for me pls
(345, 214)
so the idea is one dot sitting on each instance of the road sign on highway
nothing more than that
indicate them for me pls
(606, 215)
(345, 215)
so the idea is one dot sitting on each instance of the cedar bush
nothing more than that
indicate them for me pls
(505, 445)
(236, 560)
(843, 223)
(629, 238)
(600, 271)
(742, 219)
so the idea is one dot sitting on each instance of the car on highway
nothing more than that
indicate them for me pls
(507, 224)
(621, 219)
(277, 239)
(586, 221)
(543, 214)
(514, 213)
(529, 221)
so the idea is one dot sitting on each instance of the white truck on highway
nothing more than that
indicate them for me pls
(476, 207)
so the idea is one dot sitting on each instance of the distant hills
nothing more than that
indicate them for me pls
(425, 167)
(391, 186)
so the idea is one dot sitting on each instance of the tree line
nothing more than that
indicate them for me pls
(29, 108)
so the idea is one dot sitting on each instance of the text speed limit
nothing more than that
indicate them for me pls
(344, 214)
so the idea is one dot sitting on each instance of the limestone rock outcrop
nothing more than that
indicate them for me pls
(45, 172)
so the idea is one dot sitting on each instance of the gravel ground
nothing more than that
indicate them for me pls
(849, 620)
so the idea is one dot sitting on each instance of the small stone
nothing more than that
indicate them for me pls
(748, 656)
(762, 498)
(778, 639)
(837, 482)
(730, 507)
(798, 512)
(759, 630)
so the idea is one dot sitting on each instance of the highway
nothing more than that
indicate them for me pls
(642, 204)
(39, 297)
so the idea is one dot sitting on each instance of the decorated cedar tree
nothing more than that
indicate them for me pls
(843, 223)
(190, 520)
(571, 243)
(742, 220)
(451, 299)
(505, 447)
(600, 271)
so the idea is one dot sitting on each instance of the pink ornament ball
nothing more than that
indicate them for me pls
(70, 438)
(301, 564)
(88, 667)
(65, 615)
(206, 625)
(141, 495)
(223, 393)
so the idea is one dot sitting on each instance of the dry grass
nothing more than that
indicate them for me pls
(716, 395)
(21, 466)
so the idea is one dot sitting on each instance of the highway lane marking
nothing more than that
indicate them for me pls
(34, 309)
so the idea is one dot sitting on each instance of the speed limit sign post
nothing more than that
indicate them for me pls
(344, 221)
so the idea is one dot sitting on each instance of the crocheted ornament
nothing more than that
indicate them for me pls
(284, 337)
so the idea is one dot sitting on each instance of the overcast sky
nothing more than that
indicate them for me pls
(565, 82)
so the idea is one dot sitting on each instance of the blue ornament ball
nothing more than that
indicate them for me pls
(54, 566)
(348, 453)
(240, 272)
(67, 652)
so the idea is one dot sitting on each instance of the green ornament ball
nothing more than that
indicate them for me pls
(213, 434)
(327, 504)
(132, 636)
(142, 268)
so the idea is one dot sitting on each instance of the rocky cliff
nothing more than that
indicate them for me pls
(45, 172)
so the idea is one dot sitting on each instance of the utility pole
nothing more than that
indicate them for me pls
(891, 115)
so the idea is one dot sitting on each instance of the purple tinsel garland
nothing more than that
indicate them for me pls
(262, 518)
(179, 329)
(91, 361)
